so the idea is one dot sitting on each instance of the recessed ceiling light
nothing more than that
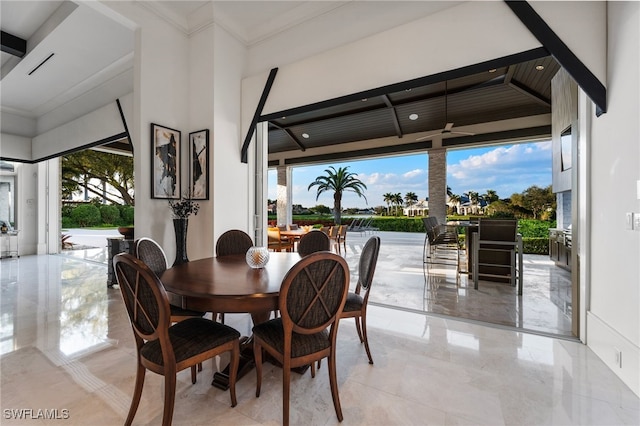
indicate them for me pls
(284, 117)
(305, 135)
(407, 90)
(539, 67)
(493, 70)
(413, 117)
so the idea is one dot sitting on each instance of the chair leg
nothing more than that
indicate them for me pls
(193, 375)
(286, 382)
(257, 357)
(137, 393)
(169, 397)
(364, 332)
(359, 329)
(333, 380)
(233, 368)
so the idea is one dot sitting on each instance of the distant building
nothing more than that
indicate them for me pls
(421, 208)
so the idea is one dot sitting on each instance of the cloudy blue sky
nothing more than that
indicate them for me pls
(506, 169)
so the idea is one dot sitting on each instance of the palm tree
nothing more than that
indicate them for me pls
(387, 199)
(338, 181)
(449, 191)
(454, 200)
(473, 199)
(396, 200)
(490, 196)
(410, 198)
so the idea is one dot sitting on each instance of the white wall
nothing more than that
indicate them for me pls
(92, 127)
(161, 94)
(233, 205)
(201, 80)
(476, 31)
(614, 316)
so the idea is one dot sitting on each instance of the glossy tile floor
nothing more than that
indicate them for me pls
(402, 281)
(67, 347)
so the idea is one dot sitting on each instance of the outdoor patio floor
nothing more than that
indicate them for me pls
(402, 281)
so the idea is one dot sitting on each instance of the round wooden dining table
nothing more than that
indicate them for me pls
(229, 285)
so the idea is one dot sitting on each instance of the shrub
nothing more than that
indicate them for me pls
(86, 215)
(126, 215)
(110, 214)
(535, 245)
(531, 228)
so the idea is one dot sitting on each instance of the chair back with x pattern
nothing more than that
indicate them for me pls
(313, 293)
(145, 299)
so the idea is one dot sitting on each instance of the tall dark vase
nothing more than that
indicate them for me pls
(180, 227)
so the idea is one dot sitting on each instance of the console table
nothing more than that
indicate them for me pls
(9, 244)
(115, 246)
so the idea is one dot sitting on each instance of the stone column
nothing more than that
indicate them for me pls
(438, 184)
(284, 195)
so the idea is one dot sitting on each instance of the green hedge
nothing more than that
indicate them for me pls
(535, 245)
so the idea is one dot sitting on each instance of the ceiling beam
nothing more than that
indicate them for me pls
(394, 115)
(290, 134)
(516, 85)
(13, 45)
(244, 155)
(561, 52)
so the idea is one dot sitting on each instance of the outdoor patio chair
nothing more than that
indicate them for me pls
(440, 244)
(497, 252)
(276, 242)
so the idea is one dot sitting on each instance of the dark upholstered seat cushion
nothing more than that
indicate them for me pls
(354, 302)
(191, 337)
(272, 333)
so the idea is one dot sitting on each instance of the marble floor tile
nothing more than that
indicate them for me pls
(66, 348)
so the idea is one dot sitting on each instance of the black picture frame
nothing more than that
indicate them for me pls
(199, 165)
(165, 162)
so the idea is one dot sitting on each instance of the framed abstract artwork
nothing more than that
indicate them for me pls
(199, 165)
(165, 162)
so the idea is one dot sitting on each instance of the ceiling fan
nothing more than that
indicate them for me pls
(448, 126)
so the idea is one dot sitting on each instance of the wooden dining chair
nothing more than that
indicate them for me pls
(161, 347)
(150, 252)
(312, 295)
(312, 242)
(233, 241)
(357, 301)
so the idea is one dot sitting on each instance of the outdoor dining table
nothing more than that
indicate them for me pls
(228, 284)
(470, 228)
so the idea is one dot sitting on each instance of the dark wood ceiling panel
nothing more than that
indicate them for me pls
(488, 96)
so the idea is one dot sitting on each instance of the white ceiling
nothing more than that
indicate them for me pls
(93, 55)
